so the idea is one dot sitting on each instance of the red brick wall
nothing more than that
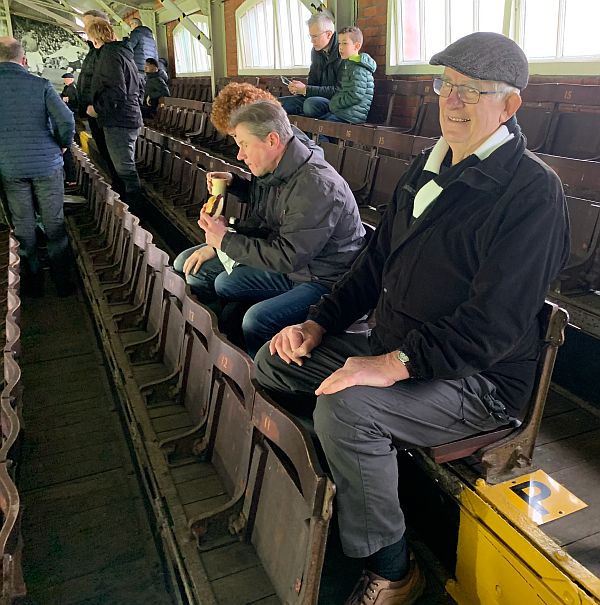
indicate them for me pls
(372, 20)
(230, 6)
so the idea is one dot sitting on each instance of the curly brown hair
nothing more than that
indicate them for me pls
(232, 97)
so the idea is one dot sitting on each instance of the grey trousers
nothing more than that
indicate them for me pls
(361, 428)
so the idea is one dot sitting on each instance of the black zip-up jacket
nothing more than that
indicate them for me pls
(116, 87)
(70, 92)
(156, 87)
(84, 82)
(306, 225)
(460, 289)
(325, 73)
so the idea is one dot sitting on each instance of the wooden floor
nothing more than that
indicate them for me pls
(568, 449)
(86, 532)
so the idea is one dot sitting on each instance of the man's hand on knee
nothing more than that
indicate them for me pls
(197, 259)
(297, 341)
(376, 371)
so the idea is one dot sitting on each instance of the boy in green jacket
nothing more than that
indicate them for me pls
(353, 101)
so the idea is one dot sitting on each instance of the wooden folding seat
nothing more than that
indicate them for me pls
(403, 93)
(428, 122)
(119, 270)
(132, 318)
(12, 342)
(134, 270)
(508, 451)
(581, 275)
(156, 355)
(358, 159)
(12, 584)
(580, 178)
(288, 505)
(176, 87)
(11, 403)
(178, 405)
(535, 122)
(575, 134)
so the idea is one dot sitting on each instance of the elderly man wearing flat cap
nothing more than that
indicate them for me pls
(456, 274)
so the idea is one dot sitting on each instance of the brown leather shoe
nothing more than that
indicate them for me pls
(375, 590)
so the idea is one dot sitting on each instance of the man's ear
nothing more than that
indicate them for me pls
(273, 139)
(511, 105)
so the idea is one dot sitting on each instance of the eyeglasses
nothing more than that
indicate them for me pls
(467, 94)
(315, 36)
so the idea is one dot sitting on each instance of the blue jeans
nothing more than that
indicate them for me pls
(282, 302)
(311, 107)
(49, 192)
(120, 143)
(202, 283)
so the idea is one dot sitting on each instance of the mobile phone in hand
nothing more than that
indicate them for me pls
(285, 80)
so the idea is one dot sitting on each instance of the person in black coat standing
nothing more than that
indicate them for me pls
(84, 89)
(115, 103)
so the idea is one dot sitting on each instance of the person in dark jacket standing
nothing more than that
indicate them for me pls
(325, 74)
(457, 273)
(69, 92)
(35, 127)
(156, 87)
(84, 88)
(142, 43)
(115, 102)
(302, 235)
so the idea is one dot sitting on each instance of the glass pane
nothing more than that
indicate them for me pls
(461, 18)
(256, 36)
(541, 26)
(581, 28)
(190, 55)
(491, 15)
(293, 44)
(435, 27)
(411, 34)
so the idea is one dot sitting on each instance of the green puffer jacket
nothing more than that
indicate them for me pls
(354, 100)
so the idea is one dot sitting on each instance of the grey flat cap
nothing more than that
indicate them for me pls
(486, 56)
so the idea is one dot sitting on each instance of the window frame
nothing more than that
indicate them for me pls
(514, 15)
(260, 71)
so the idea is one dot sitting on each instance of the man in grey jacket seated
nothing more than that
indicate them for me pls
(298, 241)
(457, 272)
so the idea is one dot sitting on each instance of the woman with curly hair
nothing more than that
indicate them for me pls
(201, 265)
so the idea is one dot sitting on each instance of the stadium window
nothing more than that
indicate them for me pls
(191, 58)
(272, 35)
(569, 29)
(549, 31)
(420, 28)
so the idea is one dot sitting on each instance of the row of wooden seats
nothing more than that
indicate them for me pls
(12, 585)
(219, 459)
(198, 88)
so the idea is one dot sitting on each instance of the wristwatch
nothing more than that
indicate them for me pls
(402, 357)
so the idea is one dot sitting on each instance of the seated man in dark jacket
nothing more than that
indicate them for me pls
(156, 87)
(457, 272)
(115, 102)
(325, 75)
(302, 234)
(35, 128)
